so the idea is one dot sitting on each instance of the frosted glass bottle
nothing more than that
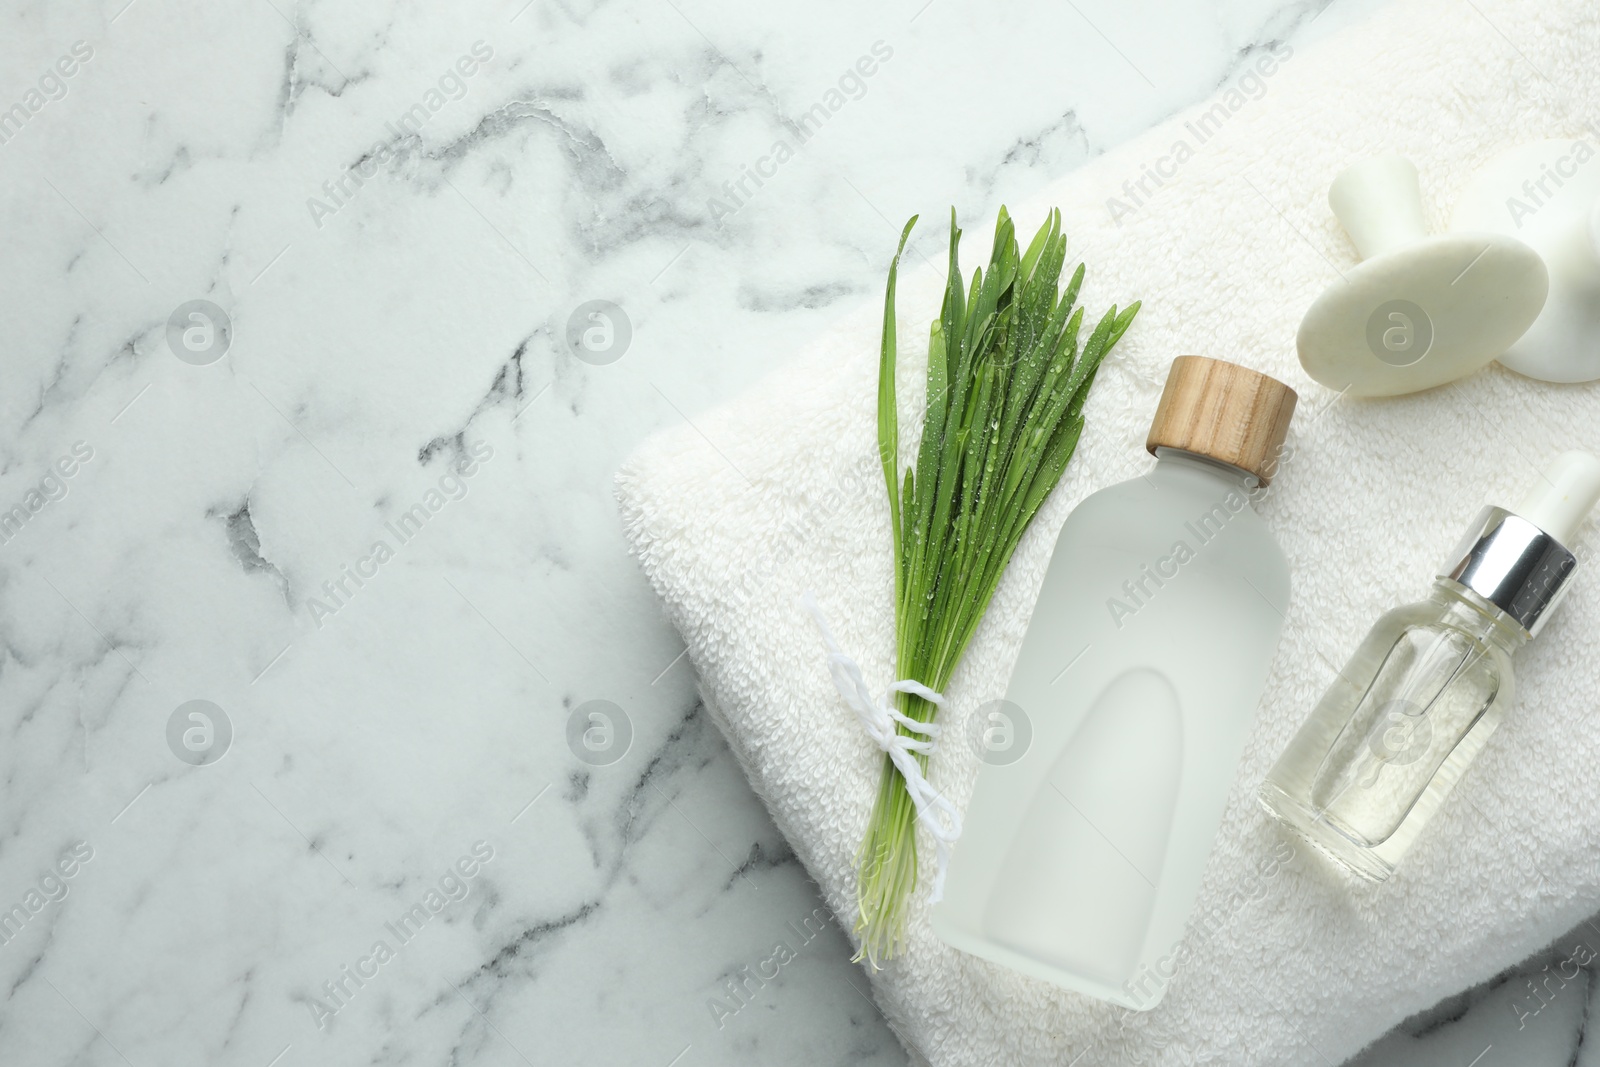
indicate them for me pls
(1138, 679)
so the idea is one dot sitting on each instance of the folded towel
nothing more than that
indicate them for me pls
(1218, 220)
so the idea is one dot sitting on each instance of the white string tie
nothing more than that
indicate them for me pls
(881, 719)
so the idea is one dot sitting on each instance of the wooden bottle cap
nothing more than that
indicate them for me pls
(1225, 412)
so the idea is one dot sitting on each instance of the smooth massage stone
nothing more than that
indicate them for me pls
(1420, 310)
(1547, 195)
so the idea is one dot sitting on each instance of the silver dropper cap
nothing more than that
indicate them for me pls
(1517, 560)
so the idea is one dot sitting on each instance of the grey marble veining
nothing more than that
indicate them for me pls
(1537, 1014)
(359, 507)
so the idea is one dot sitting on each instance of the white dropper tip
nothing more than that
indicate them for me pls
(1563, 497)
(1378, 201)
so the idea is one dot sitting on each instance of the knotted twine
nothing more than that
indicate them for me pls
(881, 719)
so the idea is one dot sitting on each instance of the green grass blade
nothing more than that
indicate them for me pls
(888, 413)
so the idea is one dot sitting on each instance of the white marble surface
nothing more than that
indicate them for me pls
(1534, 1015)
(399, 745)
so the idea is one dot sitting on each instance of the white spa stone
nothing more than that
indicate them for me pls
(1546, 194)
(1419, 310)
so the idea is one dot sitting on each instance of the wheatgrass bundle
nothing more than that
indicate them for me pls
(1006, 386)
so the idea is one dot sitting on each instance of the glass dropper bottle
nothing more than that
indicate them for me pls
(1423, 692)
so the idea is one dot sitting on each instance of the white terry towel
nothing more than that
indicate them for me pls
(1283, 961)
